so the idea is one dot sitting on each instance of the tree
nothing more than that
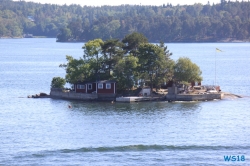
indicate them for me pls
(64, 35)
(186, 23)
(58, 82)
(2, 30)
(112, 29)
(112, 52)
(186, 71)
(153, 64)
(92, 50)
(76, 28)
(125, 72)
(77, 70)
(165, 48)
(132, 42)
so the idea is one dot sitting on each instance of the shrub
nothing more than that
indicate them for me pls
(58, 82)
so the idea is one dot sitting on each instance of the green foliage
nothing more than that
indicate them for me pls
(167, 23)
(108, 60)
(154, 64)
(78, 69)
(125, 72)
(112, 52)
(132, 42)
(186, 71)
(92, 48)
(75, 27)
(64, 35)
(58, 82)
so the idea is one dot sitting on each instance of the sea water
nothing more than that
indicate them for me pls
(47, 132)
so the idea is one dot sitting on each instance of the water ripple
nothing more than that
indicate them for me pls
(143, 148)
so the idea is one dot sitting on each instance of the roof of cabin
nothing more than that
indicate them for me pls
(106, 81)
(101, 81)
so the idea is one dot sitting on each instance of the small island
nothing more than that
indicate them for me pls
(131, 70)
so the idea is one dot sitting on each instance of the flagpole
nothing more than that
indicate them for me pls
(215, 63)
(215, 68)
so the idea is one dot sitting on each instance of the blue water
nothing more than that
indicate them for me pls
(47, 132)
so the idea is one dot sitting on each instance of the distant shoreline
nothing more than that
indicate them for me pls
(224, 40)
(4, 37)
(179, 41)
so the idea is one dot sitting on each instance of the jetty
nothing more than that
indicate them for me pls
(174, 93)
(137, 99)
(196, 93)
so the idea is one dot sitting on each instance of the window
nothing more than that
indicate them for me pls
(80, 86)
(108, 86)
(100, 86)
(89, 86)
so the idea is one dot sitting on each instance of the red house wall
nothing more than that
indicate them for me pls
(106, 91)
(80, 90)
(101, 91)
(93, 88)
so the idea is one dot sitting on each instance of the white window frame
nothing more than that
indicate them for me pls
(79, 86)
(107, 85)
(100, 86)
(89, 86)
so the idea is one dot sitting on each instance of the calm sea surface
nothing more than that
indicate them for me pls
(47, 132)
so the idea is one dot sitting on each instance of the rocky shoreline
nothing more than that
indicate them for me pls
(39, 95)
(226, 95)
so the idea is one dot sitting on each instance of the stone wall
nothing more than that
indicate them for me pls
(106, 97)
(57, 93)
(172, 90)
(73, 95)
(195, 97)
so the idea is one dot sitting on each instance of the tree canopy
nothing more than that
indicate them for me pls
(110, 59)
(227, 20)
(153, 64)
(132, 42)
(58, 82)
(187, 71)
(125, 72)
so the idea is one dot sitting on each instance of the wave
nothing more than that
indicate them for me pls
(130, 148)
(136, 148)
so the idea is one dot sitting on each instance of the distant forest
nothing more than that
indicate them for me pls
(188, 23)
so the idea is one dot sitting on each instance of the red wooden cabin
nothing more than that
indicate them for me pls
(99, 87)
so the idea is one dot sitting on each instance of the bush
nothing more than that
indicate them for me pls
(58, 82)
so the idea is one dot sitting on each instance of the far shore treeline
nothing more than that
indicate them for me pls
(133, 62)
(225, 21)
